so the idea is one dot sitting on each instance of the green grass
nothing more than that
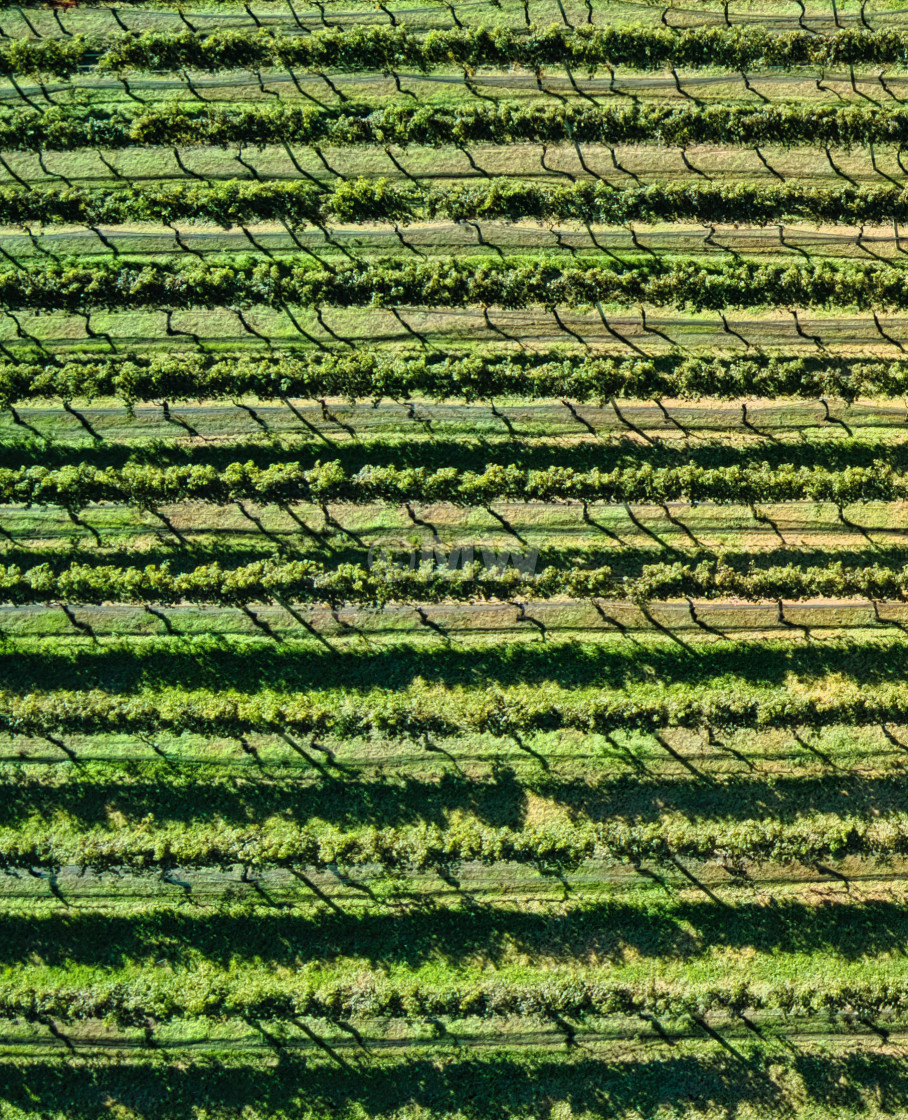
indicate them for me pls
(446, 165)
(696, 1080)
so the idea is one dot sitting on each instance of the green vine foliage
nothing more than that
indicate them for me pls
(240, 201)
(386, 49)
(352, 123)
(516, 282)
(483, 373)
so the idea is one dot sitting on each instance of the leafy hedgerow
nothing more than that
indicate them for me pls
(387, 49)
(299, 203)
(485, 372)
(351, 123)
(513, 283)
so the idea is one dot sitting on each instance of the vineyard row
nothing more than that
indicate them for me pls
(280, 843)
(208, 994)
(420, 716)
(297, 204)
(76, 486)
(630, 121)
(388, 49)
(515, 282)
(482, 373)
(305, 581)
